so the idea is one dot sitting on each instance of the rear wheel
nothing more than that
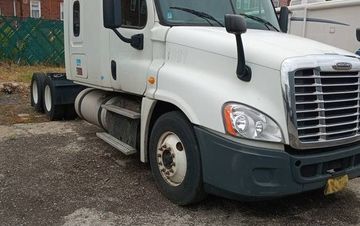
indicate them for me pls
(52, 110)
(36, 91)
(175, 159)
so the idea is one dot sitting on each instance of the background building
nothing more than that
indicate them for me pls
(278, 3)
(284, 2)
(46, 9)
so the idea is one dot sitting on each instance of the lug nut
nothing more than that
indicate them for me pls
(179, 146)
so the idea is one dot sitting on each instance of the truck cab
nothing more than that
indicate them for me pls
(215, 97)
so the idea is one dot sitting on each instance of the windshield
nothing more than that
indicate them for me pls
(259, 14)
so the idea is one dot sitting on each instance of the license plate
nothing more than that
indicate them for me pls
(336, 184)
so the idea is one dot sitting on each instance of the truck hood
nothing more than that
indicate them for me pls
(265, 48)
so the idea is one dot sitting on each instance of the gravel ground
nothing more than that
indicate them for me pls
(59, 173)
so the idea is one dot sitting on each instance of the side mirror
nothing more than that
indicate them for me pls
(112, 13)
(113, 19)
(236, 24)
(284, 19)
(358, 34)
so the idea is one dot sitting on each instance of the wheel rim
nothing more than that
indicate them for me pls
(35, 93)
(47, 98)
(171, 159)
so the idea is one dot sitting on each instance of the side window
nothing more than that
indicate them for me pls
(134, 13)
(76, 18)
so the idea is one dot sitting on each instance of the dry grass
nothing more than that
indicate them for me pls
(22, 74)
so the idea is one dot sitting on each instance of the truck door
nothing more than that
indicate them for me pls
(131, 65)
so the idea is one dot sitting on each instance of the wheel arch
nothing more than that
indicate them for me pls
(153, 109)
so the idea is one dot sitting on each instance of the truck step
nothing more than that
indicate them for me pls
(119, 145)
(121, 111)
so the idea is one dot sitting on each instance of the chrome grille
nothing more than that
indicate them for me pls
(327, 105)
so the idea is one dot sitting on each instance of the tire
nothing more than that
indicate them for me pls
(36, 91)
(176, 133)
(53, 111)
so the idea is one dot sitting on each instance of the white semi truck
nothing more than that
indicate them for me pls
(212, 94)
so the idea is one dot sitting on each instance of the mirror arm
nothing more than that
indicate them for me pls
(243, 71)
(284, 19)
(127, 40)
(136, 41)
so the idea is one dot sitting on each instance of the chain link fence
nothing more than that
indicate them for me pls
(31, 41)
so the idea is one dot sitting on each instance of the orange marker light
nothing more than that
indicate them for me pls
(228, 122)
(151, 80)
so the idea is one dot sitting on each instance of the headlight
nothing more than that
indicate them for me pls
(246, 122)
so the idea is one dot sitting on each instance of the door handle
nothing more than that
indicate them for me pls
(113, 69)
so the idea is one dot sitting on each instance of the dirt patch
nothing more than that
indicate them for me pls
(16, 108)
(13, 87)
(15, 93)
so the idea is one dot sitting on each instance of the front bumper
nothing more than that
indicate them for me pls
(234, 170)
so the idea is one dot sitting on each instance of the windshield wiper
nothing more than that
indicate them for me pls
(261, 20)
(203, 15)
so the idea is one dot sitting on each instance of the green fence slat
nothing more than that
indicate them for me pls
(31, 41)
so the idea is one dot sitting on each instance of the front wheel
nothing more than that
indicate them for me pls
(175, 159)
